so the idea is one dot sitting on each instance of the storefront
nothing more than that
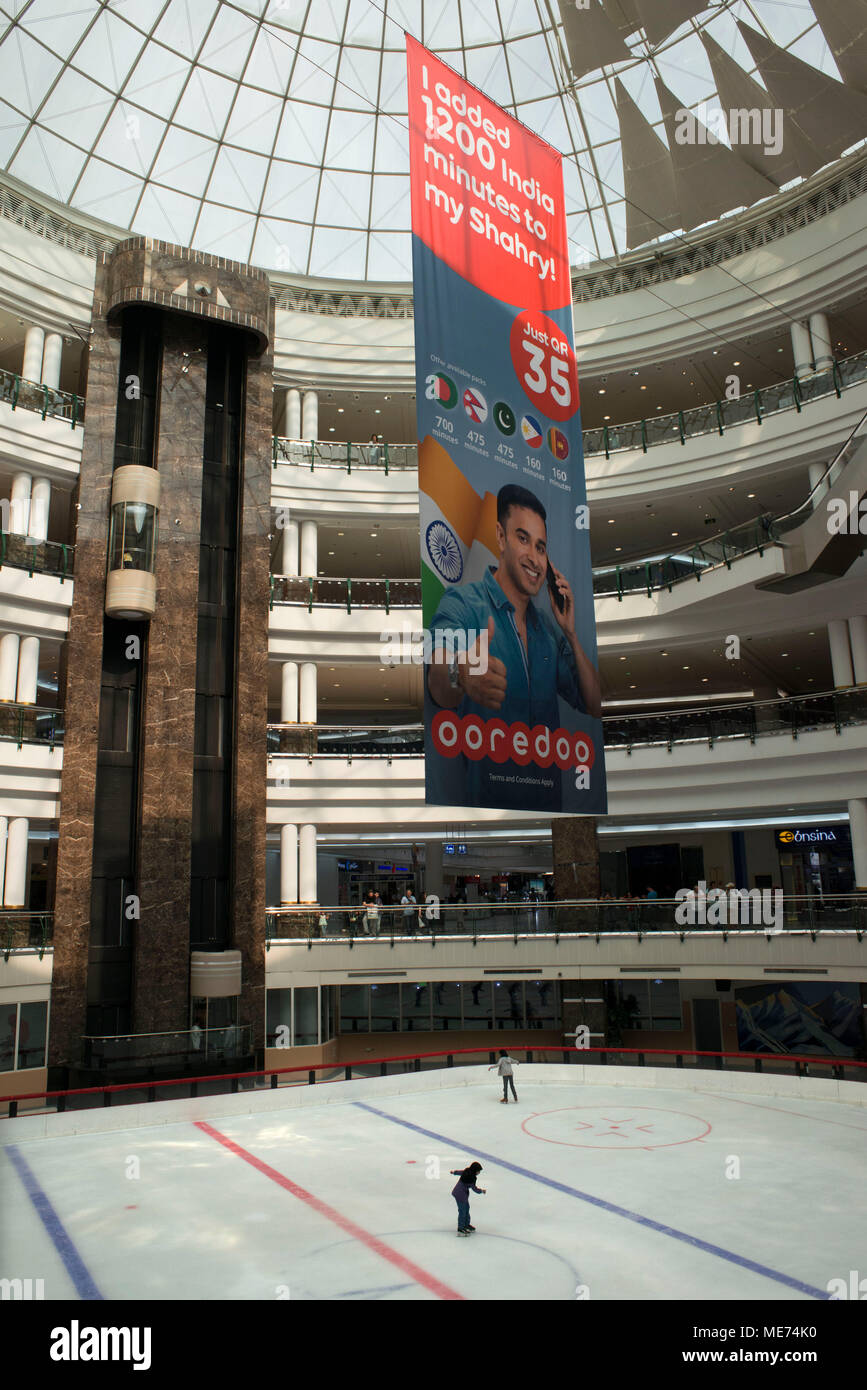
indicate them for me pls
(815, 860)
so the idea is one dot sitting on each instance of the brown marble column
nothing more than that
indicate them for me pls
(251, 696)
(576, 857)
(162, 943)
(83, 663)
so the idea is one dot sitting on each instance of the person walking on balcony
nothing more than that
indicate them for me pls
(466, 1183)
(410, 912)
(505, 1069)
(374, 903)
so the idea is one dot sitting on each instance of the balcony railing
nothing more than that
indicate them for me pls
(674, 428)
(37, 557)
(25, 931)
(21, 394)
(31, 724)
(801, 714)
(189, 1047)
(633, 917)
(345, 593)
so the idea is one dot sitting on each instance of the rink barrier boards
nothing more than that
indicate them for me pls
(151, 1087)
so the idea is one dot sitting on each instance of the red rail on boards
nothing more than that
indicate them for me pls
(152, 1085)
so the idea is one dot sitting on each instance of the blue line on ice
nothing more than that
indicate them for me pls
(695, 1241)
(75, 1266)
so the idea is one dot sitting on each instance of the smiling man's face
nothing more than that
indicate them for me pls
(524, 549)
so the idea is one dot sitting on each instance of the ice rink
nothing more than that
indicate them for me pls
(678, 1190)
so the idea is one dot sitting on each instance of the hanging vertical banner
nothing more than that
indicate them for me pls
(512, 699)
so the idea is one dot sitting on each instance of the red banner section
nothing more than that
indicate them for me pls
(489, 201)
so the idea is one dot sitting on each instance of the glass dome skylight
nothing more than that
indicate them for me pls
(274, 131)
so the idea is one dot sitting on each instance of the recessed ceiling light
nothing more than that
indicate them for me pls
(377, 411)
(623, 658)
(606, 417)
(704, 680)
(675, 533)
(331, 552)
(751, 494)
(686, 668)
(642, 388)
(602, 390)
(611, 521)
(632, 687)
(340, 410)
(736, 364)
(617, 549)
(663, 653)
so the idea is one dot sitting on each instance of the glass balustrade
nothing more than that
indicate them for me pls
(633, 916)
(21, 394)
(803, 714)
(674, 428)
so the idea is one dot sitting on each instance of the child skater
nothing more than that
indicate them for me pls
(505, 1070)
(466, 1183)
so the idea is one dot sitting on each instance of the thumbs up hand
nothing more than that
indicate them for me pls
(482, 676)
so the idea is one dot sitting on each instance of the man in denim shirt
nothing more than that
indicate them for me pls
(532, 657)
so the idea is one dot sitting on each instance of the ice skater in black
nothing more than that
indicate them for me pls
(466, 1183)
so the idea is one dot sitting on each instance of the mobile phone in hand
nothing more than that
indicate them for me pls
(555, 592)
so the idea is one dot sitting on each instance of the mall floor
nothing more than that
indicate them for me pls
(591, 1191)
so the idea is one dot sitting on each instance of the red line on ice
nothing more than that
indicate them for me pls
(379, 1247)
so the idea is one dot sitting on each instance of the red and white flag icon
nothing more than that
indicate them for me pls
(475, 405)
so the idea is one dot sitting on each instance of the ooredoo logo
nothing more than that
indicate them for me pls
(510, 743)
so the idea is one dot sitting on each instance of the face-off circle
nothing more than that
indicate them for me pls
(616, 1127)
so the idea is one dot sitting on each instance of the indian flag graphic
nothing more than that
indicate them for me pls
(458, 527)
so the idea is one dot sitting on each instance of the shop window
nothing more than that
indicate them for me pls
(23, 1029)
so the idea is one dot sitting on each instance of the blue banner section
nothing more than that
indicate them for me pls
(505, 553)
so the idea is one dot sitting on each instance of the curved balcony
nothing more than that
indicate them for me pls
(47, 401)
(835, 709)
(37, 557)
(634, 917)
(677, 427)
(22, 724)
(25, 931)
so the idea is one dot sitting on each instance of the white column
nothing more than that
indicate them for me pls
(4, 829)
(40, 504)
(51, 360)
(289, 694)
(15, 884)
(858, 643)
(308, 700)
(288, 865)
(802, 350)
(19, 509)
(858, 831)
(34, 343)
(28, 671)
(820, 335)
(289, 557)
(309, 548)
(307, 864)
(8, 665)
(310, 416)
(293, 414)
(841, 660)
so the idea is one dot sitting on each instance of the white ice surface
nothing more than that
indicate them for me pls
(201, 1222)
